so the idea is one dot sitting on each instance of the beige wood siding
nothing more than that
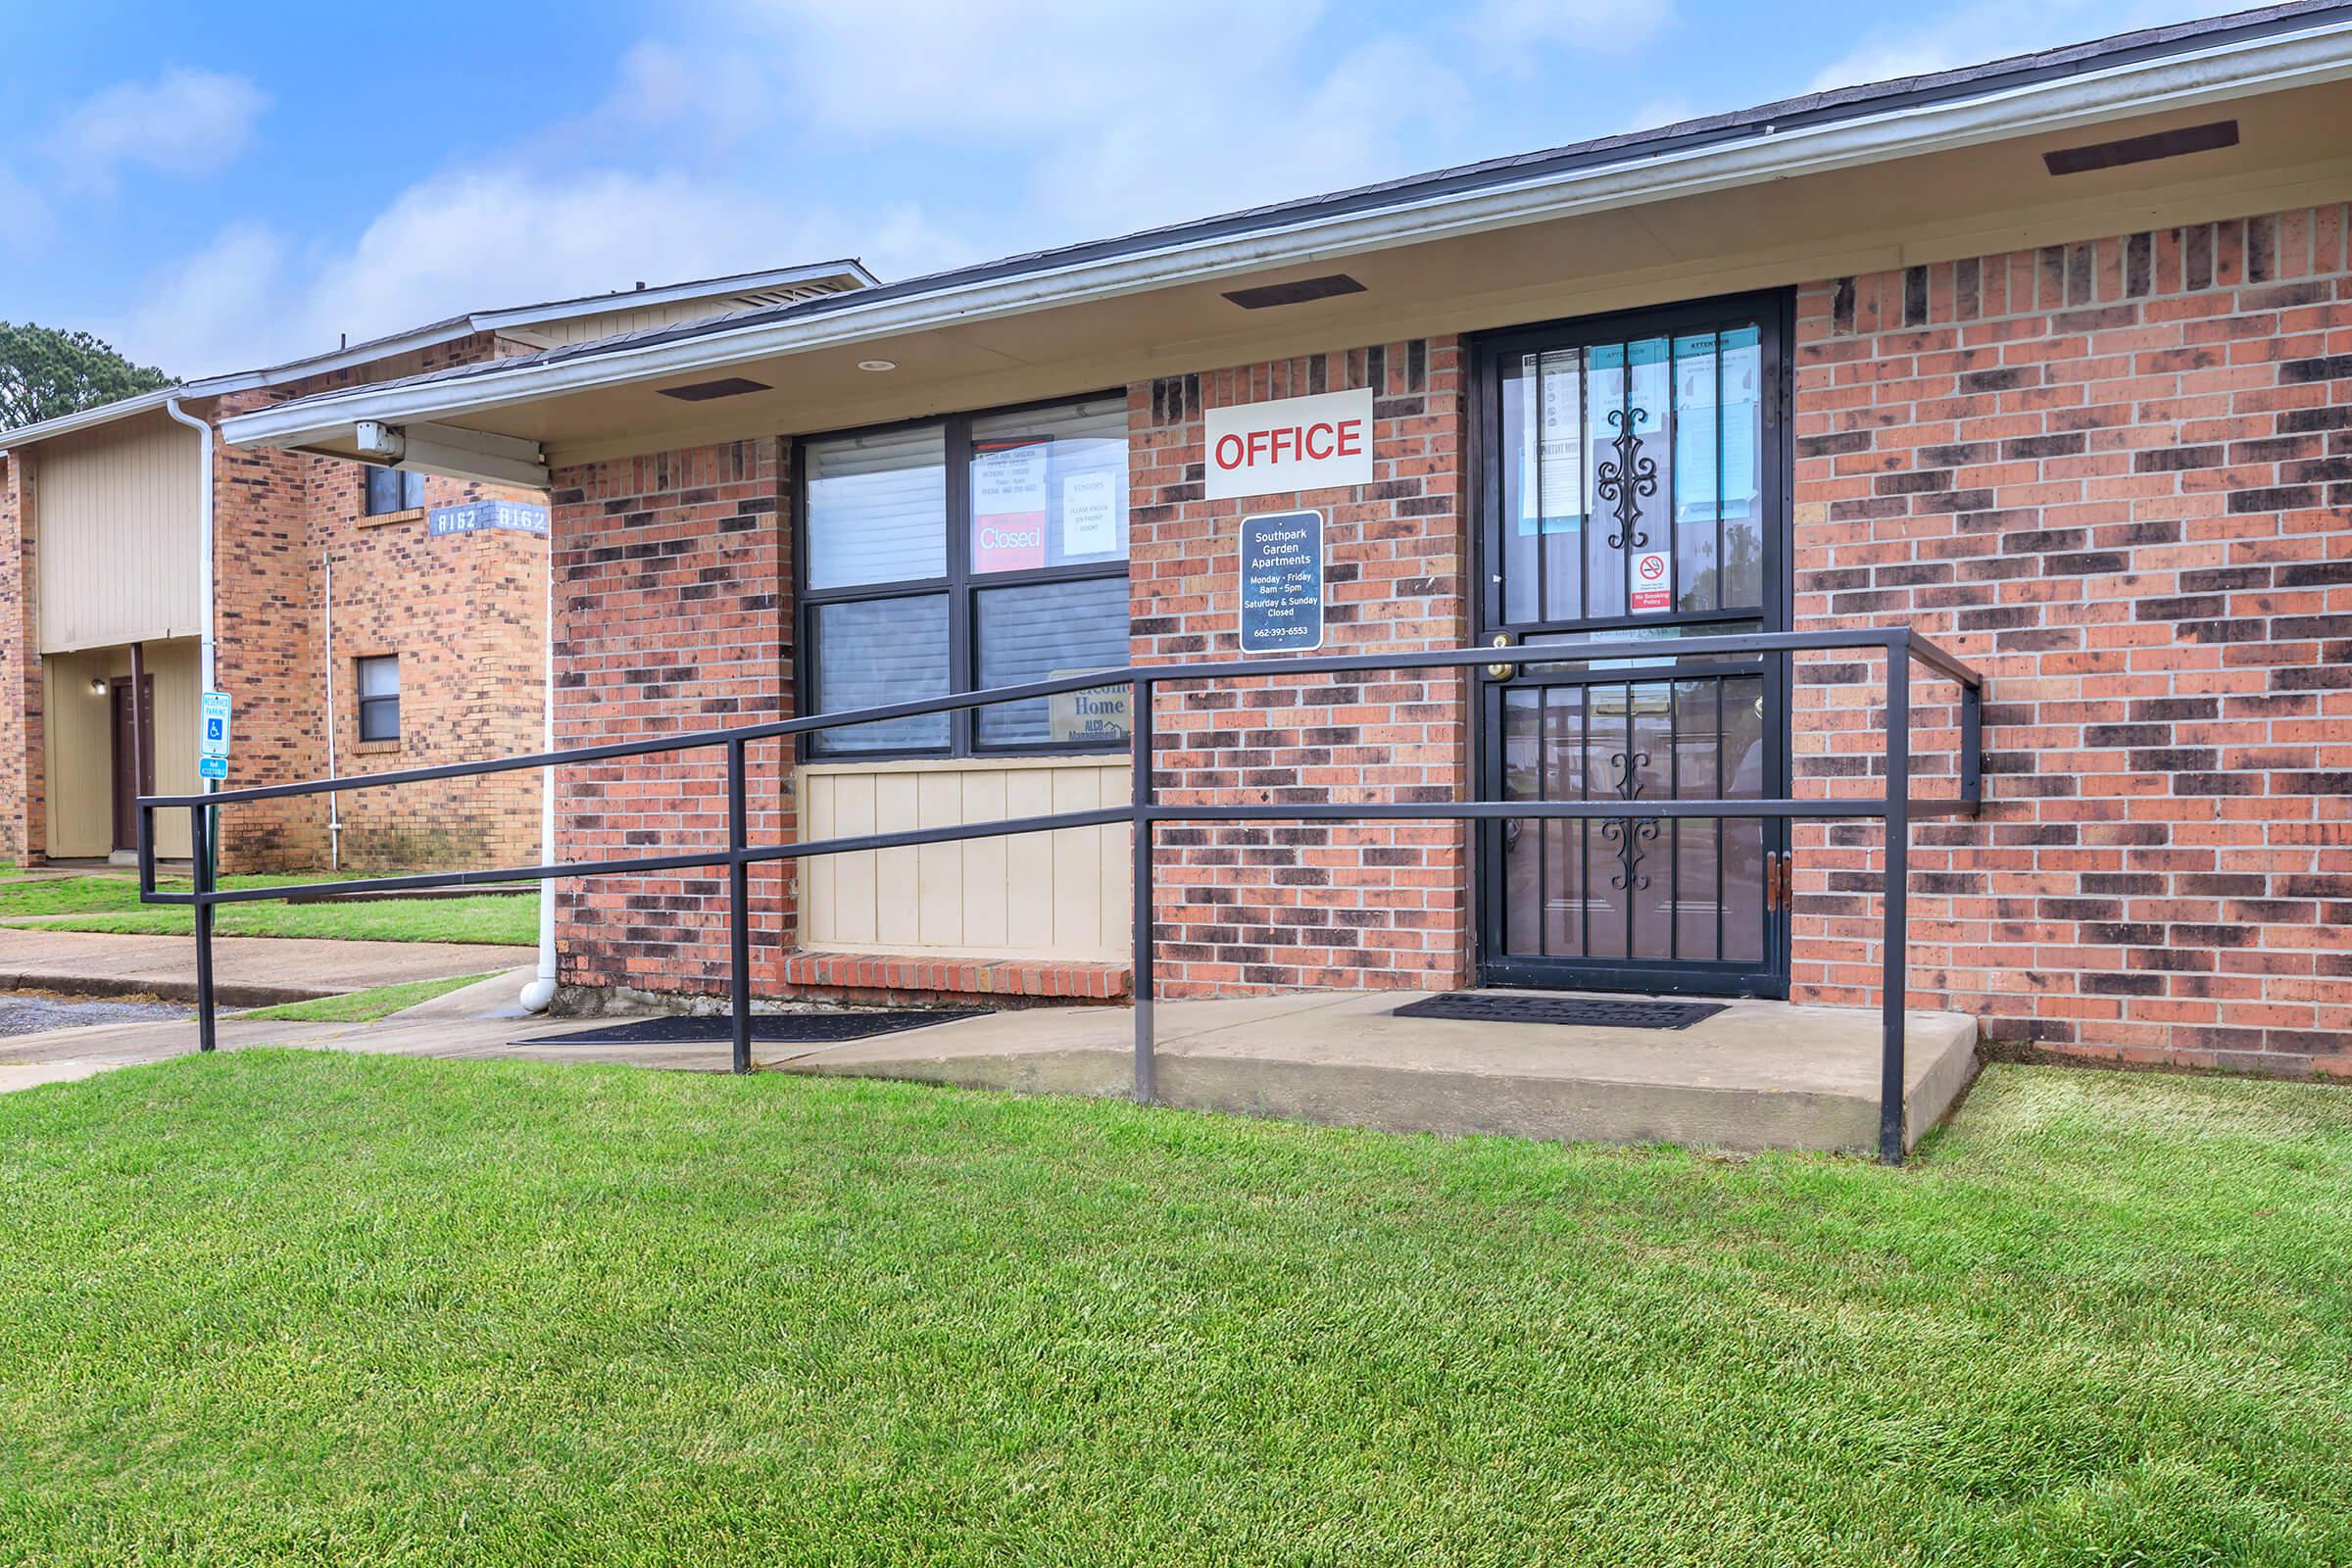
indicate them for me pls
(77, 737)
(1062, 895)
(117, 536)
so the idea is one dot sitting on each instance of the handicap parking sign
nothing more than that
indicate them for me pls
(211, 734)
(212, 767)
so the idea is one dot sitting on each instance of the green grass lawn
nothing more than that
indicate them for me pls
(364, 1007)
(112, 904)
(280, 1307)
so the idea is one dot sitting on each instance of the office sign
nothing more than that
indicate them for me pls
(212, 725)
(1282, 582)
(1290, 444)
(479, 516)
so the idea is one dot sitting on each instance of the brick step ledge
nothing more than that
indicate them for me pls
(911, 977)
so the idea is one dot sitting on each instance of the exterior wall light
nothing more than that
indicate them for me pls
(877, 365)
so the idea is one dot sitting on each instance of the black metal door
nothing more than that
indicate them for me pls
(1634, 486)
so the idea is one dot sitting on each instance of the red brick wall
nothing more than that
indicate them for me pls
(671, 586)
(267, 649)
(23, 820)
(466, 614)
(1247, 908)
(2117, 475)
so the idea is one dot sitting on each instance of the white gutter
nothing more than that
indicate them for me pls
(2231, 69)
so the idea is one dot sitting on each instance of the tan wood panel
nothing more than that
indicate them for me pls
(1039, 895)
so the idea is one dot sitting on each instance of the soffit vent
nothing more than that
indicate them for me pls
(2142, 149)
(731, 386)
(1268, 296)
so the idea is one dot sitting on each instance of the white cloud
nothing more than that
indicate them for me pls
(1377, 113)
(1990, 30)
(482, 239)
(186, 121)
(719, 97)
(1017, 69)
(1657, 113)
(1515, 33)
(1106, 118)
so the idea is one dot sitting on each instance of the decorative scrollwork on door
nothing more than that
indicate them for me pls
(1628, 480)
(1628, 837)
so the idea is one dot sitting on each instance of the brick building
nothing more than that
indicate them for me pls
(361, 615)
(2047, 358)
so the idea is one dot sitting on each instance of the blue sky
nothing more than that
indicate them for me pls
(212, 200)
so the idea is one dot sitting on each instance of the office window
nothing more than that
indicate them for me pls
(392, 490)
(379, 696)
(977, 551)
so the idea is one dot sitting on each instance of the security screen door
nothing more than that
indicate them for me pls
(1633, 489)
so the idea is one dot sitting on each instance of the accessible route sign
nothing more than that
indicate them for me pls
(1282, 582)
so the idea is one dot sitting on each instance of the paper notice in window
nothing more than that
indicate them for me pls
(1090, 513)
(1008, 506)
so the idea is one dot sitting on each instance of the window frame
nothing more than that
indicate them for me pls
(407, 477)
(960, 585)
(360, 701)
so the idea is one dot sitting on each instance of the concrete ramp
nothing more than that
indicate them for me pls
(1759, 1075)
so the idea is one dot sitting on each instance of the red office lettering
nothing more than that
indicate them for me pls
(1313, 430)
(1258, 442)
(1350, 437)
(1224, 461)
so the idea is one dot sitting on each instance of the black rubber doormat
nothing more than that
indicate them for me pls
(1491, 1006)
(767, 1028)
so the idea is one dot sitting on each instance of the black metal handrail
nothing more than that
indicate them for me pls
(1143, 809)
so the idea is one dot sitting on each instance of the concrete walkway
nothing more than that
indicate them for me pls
(1759, 1075)
(247, 971)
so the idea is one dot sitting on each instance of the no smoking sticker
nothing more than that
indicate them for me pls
(1652, 587)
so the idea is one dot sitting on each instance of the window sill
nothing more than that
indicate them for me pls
(374, 748)
(381, 519)
(986, 763)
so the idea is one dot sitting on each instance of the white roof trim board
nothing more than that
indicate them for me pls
(2275, 49)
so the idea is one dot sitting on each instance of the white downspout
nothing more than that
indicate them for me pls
(537, 994)
(204, 538)
(205, 674)
(335, 800)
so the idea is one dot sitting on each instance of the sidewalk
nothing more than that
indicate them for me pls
(247, 971)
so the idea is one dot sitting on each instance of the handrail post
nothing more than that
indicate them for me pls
(1895, 942)
(1972, 745)
(146, 849)
(1139, 794)
(201, 874)
(739, 911)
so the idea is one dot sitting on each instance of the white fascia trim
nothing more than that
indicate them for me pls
(846, 271)
(89, 419)
(2237, 70)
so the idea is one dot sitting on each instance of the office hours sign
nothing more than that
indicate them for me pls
(1282, 582)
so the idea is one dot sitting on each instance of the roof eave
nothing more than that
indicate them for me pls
(2231, 69)
(847, 269)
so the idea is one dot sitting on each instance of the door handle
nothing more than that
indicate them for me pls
(1502, 639)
